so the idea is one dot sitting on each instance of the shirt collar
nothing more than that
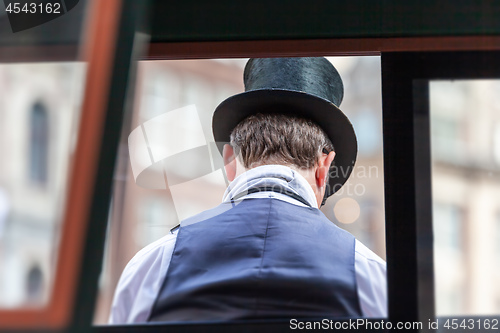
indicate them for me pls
(271, 175)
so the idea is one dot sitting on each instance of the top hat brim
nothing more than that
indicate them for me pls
(324, 113)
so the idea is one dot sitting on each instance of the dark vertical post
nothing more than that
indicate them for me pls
(400, 188)
(121, 73)
(423, 200)
(408, 190)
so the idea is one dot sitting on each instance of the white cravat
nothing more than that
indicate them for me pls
(277, 176)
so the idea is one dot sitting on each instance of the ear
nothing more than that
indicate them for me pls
(229, 162)
(322, 169)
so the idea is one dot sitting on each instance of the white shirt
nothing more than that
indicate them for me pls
(142, 278)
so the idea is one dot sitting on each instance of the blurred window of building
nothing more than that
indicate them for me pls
(39, 144)
(446, 137)
(155, 221)
(496, 142)
(34, 285)
(497, 242)
(448, 228)
(465, 192)
(448, 248)
(160, 92)
(447, 117)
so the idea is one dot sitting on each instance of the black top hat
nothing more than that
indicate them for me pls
(305, 87)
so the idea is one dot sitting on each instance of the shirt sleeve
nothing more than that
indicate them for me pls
(371, 279)
(141, 281)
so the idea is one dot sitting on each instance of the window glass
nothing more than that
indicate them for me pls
(39, 114)
(465, 119)
(155, 188)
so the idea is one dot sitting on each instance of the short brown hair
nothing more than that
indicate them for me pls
(273, 138)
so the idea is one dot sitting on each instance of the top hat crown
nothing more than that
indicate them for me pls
(305, 87)
(316, 76)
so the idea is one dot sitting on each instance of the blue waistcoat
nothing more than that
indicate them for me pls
(259, 259)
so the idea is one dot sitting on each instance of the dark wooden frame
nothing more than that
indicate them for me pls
(107, 50)
(408, 192)
(406, 135)
(407, 167)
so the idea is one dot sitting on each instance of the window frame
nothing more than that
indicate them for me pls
(407, 167)
(109, 51)
(99, 53)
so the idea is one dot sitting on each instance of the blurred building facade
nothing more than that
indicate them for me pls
(39, 107)
(465, 125)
